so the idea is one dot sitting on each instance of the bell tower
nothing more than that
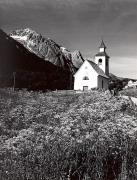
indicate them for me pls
(102, 59)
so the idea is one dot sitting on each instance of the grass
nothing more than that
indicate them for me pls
(130, 92)
(64, 135)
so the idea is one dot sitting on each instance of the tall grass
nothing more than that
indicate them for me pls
(66, 136)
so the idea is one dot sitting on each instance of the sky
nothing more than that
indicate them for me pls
(80, 25)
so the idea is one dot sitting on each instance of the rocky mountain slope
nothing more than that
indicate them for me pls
(30, 69)
(48, 50)
(76, 57)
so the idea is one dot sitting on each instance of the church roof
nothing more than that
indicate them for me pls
(102, 54)
(97, 69)
(102, 45)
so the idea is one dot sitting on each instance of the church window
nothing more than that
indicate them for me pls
(85, 78)
(100, 61)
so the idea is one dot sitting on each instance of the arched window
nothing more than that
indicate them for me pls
(100, 61)
(85, 78)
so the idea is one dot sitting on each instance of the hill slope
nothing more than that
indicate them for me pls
(14, 57)
(114, 77)
(47, 49)
(120, 82)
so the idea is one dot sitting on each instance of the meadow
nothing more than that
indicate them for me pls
(65, 135)
(130, 92)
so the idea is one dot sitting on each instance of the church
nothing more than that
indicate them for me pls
(93, 74)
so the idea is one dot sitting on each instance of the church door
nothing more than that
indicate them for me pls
(85, 88)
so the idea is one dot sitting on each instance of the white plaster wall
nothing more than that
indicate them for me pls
(101, 49)
(103, 65)
(85, 70)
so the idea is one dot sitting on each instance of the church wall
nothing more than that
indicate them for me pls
(105, 82)
(103, 65)
(86, 70)
(102, 50)
(107, 67)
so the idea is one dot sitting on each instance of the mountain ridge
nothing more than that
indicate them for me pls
(48, 49)
(114, 77)
(30, 69)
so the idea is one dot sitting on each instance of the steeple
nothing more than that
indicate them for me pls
(102, 59)
(102, 46)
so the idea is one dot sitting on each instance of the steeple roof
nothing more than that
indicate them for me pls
(102, 45)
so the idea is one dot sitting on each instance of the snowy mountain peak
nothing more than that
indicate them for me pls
(47, 49)
(63, 48)
(22, 32)
(28, 30)
(77, 52)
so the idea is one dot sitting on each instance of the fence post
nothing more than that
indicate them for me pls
(14, 80)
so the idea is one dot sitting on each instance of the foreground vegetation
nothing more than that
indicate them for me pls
(66, 136)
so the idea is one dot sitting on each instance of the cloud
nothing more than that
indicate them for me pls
(11, 2)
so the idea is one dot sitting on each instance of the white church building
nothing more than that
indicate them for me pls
(93, 74)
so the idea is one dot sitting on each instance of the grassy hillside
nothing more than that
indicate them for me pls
(129, 92)
(66, 136)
